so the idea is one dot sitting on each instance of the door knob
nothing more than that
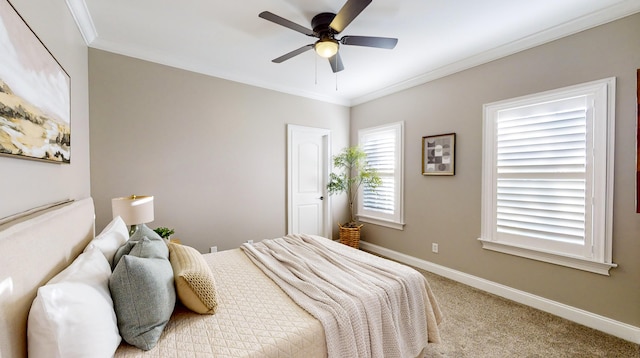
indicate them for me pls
(321, 198)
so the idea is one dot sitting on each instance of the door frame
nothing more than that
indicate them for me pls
(292, 129)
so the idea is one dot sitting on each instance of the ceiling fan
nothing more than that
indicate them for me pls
(326, 26)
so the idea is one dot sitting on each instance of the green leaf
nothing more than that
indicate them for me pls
(354, 172)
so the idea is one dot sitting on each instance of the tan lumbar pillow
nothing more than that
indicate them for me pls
(193, 278)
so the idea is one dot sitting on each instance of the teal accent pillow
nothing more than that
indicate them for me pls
(125, 249)
(122, 250)
(143, 293)
(153, 248)
(144, 231)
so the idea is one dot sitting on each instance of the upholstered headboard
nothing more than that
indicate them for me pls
(33, 249)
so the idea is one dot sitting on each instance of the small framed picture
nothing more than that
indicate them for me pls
(439, 154)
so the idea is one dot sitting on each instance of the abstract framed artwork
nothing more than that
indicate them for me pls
(35, 104)
(439, 154)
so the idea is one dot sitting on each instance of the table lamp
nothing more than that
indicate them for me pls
(135, 211)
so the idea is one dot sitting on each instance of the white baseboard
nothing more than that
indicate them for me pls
(592, 320)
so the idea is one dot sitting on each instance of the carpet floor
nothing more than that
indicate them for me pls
(479, 324)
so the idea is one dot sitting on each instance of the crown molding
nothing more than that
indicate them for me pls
(194, 66)
(586, 22)
(80, 13)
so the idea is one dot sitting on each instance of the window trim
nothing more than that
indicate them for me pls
(603, 92)
(397, 221)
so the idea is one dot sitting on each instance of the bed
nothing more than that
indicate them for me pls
(255, 312)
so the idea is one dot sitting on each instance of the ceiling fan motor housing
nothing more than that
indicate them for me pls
(326, 26)
(320, 24)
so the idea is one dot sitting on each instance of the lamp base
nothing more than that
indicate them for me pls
(139, 231)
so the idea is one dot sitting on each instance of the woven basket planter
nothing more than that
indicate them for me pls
(350, 236)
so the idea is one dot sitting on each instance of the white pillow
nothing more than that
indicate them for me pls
(72, 315)
(111, 238)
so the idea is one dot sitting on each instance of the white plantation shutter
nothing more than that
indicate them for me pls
(384, 147)
(547, 173)
(544, 209)
(541, 170)
(380, 149)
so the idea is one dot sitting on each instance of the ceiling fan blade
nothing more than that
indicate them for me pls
(379, 42)
(293, 53)
(336, 63)
(348, 12)
(284, 22)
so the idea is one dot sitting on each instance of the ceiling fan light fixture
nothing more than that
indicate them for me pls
(326, 25)
(326, 47)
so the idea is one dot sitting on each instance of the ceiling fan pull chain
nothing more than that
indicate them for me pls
(336, 74)
(316, 65)
(326, 25)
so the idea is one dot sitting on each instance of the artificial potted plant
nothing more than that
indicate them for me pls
(354, 172)
(164, 232)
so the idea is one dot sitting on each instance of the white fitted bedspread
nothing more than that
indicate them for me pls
(255, 318)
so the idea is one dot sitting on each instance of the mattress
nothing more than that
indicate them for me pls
(254, 318)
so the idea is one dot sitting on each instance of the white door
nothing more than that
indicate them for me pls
(308, 172)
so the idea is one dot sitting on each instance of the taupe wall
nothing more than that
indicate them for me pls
(25, 183)
(211, 151)
(446, 210)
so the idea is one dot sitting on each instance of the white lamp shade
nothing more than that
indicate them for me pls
(133, 209)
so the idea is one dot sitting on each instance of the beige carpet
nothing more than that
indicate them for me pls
(479, 324)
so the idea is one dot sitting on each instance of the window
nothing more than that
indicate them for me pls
(547, 186)
(384, 147)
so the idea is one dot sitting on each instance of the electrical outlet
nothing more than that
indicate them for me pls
(434, 248)
(213, 249)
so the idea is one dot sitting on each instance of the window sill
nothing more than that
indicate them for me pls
(381, 222)
(573, 262)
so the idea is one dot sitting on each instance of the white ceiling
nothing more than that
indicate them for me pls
(227, 39)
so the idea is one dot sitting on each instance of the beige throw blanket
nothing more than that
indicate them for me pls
(368, 306)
